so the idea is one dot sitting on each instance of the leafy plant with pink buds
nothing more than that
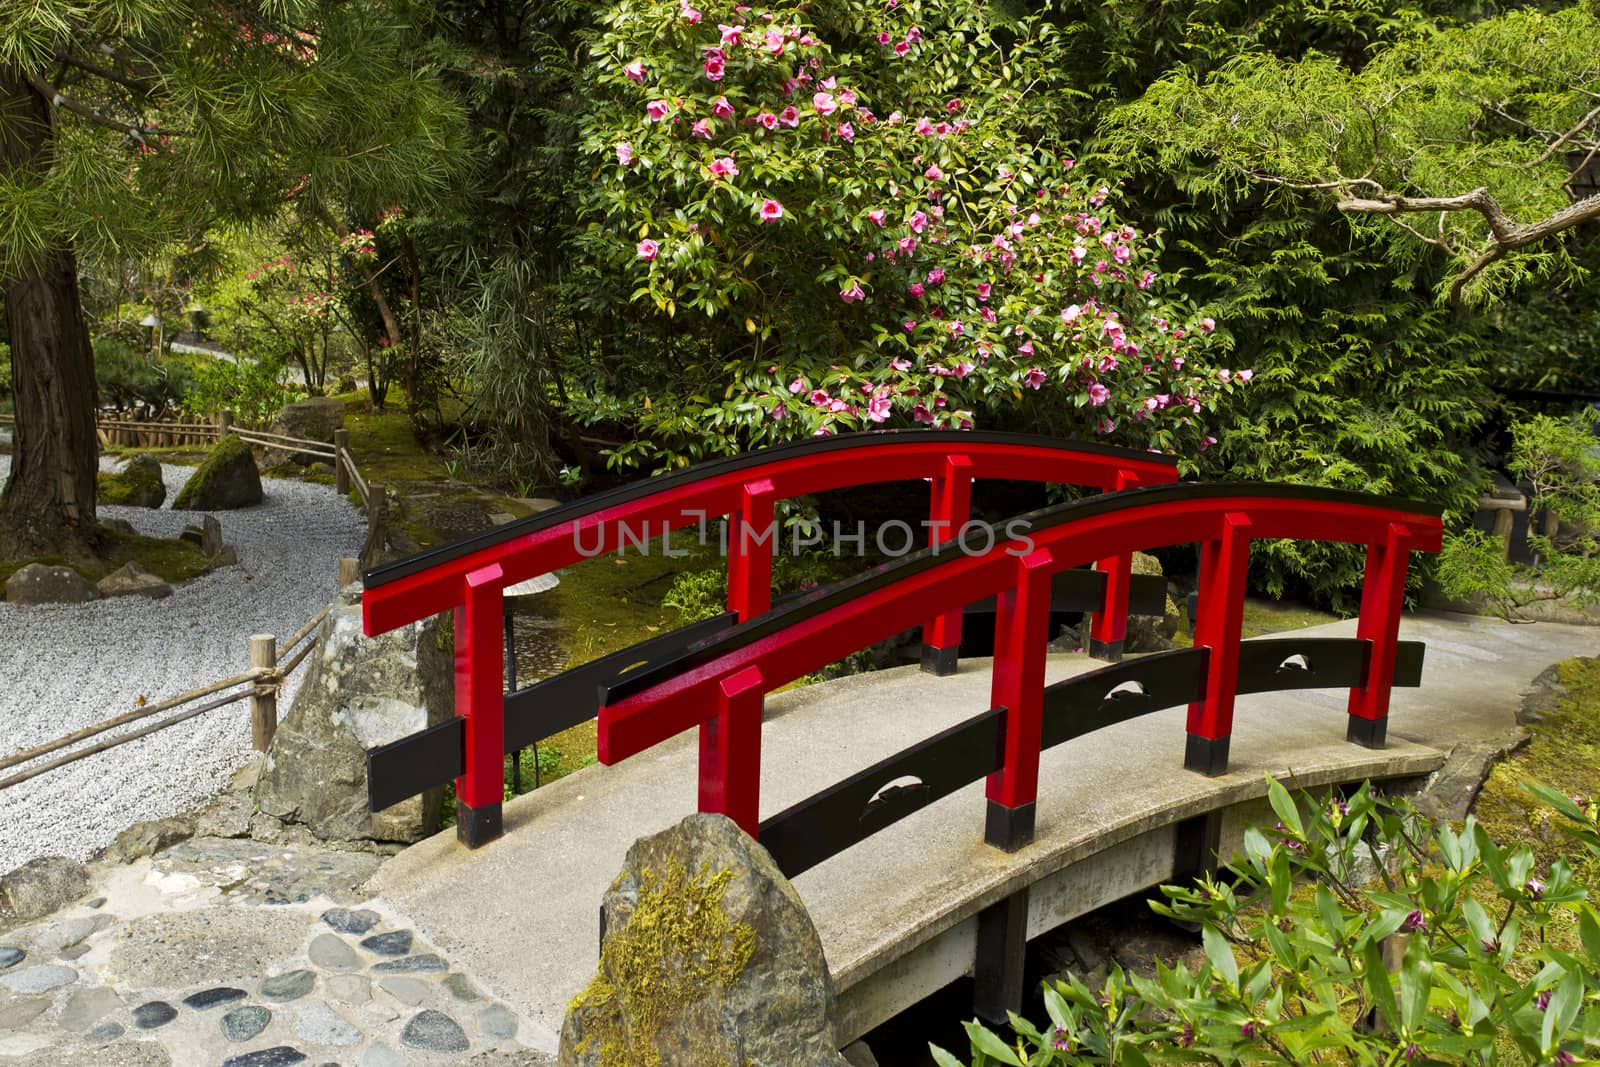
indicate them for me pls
(854, 219)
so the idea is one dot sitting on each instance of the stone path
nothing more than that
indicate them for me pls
(244, 954)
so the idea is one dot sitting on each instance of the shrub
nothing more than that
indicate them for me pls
(127, 377)
(1462, 953)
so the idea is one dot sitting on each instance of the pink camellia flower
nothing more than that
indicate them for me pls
(690, 15)
(918, 222)
(983, 290)
(1025, 348)
(913, 34)
(730, 34)
(771, 211)
(902, 47)
(797, 386)
(847, 97)
(909, 325)
(625, 153)
(721, 108)
(932, 174)
(789, 117)
(1098, 394)
(852, 294)
(819, 397)
(658, 110)
(923, 127)
(648, 249)
(1150, 403)
(877, 215)
(824, 103)
(714, 68)
(988, 314)
(1070, 313)
(789, 86)
(723, 168)
(635, 71)
(701, 129)
(1207, 324)
(921, 414)
(957, 328)
(1122, 253)
(1206, 442)
(768, 119)
(936, 276)
(1246, 375)
(847, 132)
(1107, 425)
(774, 42)
(900, 364)
(780, 412)
(1034, 378)
(878, 406)
(915, 289)
(1147, 279)
(883, 37)
(908, 245)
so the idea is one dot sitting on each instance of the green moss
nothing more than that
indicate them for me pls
(1263, 617)
(678, 947)
(169, 559)
(1563, 751)
(136, 485)
(224, 455)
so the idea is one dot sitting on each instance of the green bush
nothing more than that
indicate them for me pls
(126, 377)
(1463, 953)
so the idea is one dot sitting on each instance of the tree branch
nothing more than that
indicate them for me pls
(138, 133)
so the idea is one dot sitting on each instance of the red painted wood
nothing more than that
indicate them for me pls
(1110, 623)
(1224, 559)
(480, 699)
(730, 766)
(1022, 622)
(949, 509)
(1382, 597)
(752, 539)
(418, 596)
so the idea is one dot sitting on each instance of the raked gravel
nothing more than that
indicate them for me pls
(63, 667)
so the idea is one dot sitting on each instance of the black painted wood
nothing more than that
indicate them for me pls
(416, 762)
(998, 981)
(1081, 705)
(803, 835)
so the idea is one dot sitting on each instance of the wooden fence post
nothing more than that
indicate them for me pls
(349, 571)
(224, 423)
(263, 707)
(341, 473)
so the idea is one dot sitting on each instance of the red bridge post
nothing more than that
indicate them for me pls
(1382, 596)
(1109, 629)
(948, 511)
(1022, 624)
(480, 701)
(730, 752)
(1223, 563)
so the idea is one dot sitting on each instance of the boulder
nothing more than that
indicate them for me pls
(135, 483)
(708, 958)
(314, 420)
(119, 525)
(130, 579)
(227, 479)
(41, 886)
(358, 692)
(147, 838)
(38, 583)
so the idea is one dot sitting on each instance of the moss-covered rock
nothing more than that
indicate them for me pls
(136, 483)
(709, 958)
(227, 479)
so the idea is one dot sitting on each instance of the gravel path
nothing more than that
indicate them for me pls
(63, 667)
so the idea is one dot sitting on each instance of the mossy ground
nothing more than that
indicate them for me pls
(169, 559)
(1563, 752)
(1264, 617)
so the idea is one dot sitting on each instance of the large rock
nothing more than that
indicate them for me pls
(709, 958)
(41, 886)
(227, 479)
(135, 483)
(38, 583)
(314, 420)
(358, 692)
(130, 579)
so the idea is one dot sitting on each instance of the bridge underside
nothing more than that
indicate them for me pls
(900, 915)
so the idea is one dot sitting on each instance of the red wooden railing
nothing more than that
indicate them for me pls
(469, 577)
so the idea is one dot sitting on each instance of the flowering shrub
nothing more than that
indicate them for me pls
(1463, 953)
(860, 194)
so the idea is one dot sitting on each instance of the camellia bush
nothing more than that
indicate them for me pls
(864, 215)
(1459, 952)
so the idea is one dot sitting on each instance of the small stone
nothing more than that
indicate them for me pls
(85, 1007)
(406, 990)
(106, 1032)
(321, 1025)
(380, 1055)
(22, 1044)
(434, 1031)
(350, 922)
(241, 1024)
(497, 1022)
(75, 952)
(42, 885)
(211, 998)
(65, 935)
(290, 986)
(40, 979)
(461, 987)
(154, 1014)
(97, 902)
(280, 1056)
(19, 1013)
(427, 963)
(10, 957)
(393, 943)
(349, 989)
(330, 952)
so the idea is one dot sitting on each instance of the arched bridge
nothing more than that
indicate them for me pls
(911, 750)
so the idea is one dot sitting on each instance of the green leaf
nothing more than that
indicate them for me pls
(1561, 1011)
(1380, 991)
(1589, 930)
(1284, 805)
(1416, 983)
(1220, 953)
(943, 1058)
(984, 1041)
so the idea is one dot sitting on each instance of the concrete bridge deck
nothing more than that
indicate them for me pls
(899, 911)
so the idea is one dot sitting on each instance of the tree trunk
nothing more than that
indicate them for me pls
(47, 507)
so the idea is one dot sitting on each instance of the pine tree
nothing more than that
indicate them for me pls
(128, 126)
